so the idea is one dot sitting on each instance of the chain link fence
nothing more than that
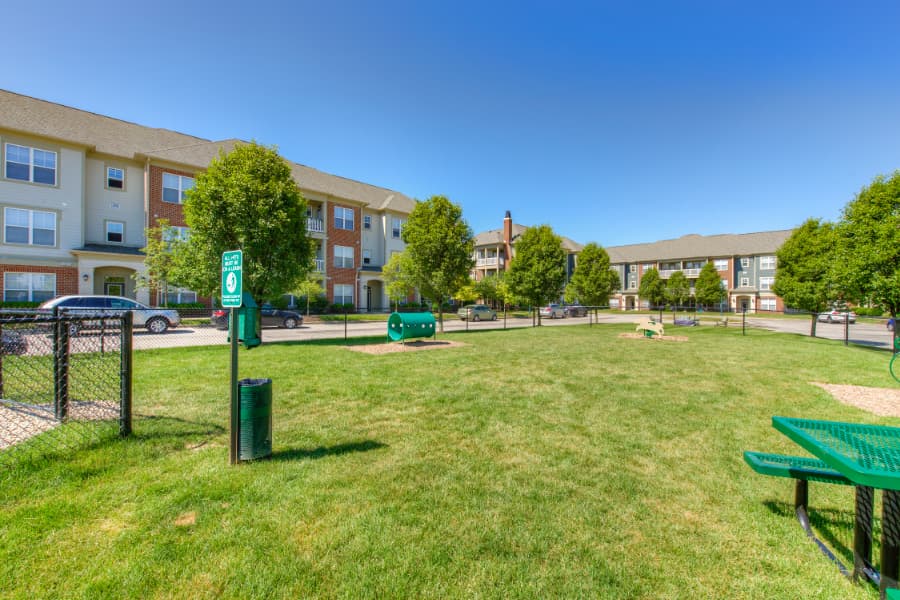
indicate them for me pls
(64, 381)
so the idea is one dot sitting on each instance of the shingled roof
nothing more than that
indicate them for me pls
(102, 134)
(701, 246)
(495, 237)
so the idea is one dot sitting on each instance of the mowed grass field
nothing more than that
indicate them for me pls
(554, 462)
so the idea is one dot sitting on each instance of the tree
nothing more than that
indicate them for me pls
(488, 289)
(678, 290)
(308, 288)
(466, 294)
(653, 289)
(159, 262)
(805, 260)
(708, 289)
(537, 274)
(246, 200)
(396, 275)
(440, 245)
(867, 265)
(594, 280)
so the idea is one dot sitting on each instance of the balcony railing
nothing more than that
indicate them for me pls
(315, 225)
(320, 265)
(492, 261)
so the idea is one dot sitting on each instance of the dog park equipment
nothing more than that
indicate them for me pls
(404, 326)
(649, 327)
(256, 419)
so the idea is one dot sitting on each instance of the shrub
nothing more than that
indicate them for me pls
(19, 304)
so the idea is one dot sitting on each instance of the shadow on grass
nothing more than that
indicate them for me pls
(834, 527)
(323, 452)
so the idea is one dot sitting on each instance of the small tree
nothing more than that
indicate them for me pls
(488, 288)
(246, 200)
(159, 262)
(440, 245)
(653, 289)
(310, 287)
(804, 262)
(538, 271)
(396, 275)
(594, 280)
(678, 290)
(708, 289)
(466, 293)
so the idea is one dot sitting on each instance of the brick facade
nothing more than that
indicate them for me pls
(66, 277)
(347, 238)
(164, 210)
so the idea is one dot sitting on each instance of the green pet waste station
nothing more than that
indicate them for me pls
(255, 418)
(405, 326)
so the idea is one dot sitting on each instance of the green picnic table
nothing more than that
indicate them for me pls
(869, 456)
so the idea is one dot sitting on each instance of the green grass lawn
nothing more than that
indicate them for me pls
(552, 462)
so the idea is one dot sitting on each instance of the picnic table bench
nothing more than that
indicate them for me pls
(649, 326)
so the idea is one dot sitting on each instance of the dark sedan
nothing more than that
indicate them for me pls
(575, 310)
(269, 316)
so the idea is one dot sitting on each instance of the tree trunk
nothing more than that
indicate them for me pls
(812, 326)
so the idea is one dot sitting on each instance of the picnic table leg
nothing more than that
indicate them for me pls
(890, 540)
(862, 533)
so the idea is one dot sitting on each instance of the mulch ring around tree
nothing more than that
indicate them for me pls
(390, 348)
(655, 338)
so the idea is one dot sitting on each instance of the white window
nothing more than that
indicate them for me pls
(343, 257)
(181, 296)
(28, 287)
(721, 264)
(343, 293)
(175, 187)
(115, 178)
(745, 282)
(724, 284)
(115, 232)
(766, 283)
(32, 227)
(367, 222)
(30, 164)
(647, 266)
(396, 228)
(343, 218)
(173, 233)
(367, 257)
(767, 262)
(745, 263)
(767, 304)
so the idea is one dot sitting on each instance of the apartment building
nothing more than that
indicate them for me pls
(495, 248)
(745, 262)
(78, 189)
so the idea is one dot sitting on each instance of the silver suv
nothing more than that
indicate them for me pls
(156, 320)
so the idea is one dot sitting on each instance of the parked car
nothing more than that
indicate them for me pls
(269, 316)
(477, 312)
(553, 311)
(156, 320)
(575, 310)
(13, 342)
(837, 316)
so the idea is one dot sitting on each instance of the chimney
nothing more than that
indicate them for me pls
(507, 238)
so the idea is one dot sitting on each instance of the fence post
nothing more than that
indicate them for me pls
(125, 376)
(60, 367)
(1, 360)
(847, 329)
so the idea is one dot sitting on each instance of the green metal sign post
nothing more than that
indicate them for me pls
(232, 298)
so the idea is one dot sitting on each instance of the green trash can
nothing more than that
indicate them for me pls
(256, 418)
(404, 326)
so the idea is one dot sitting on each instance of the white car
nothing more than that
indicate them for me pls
(837, 316)
(156, 320)
(554, 311)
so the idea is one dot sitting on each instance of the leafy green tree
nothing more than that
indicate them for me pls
(396, 275)
(246, 200)
(594, 280)
(805, 260)
(488, 289)
(653, 289)
(867, 265)
(708, 289)
(537, 274)
(159, 259)
(311, 287)
(440, 245)
(678, 290)
(467, 293)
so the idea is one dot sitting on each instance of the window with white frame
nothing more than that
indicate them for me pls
(31, 227)
(745, 282)
(343, 257)
(766, 283)
(343, 218)
(28, 287)
(745, 263)
(767, 262)
(721, 264)
(367, 257)
(367, 222)
(30, 164)
(115, 178)
(343, 293)
(724, 284)
(174, 233)
(175, 187)
(115, 232)
(768, 304)
(180, 296)
(647, 266)
(396, 228)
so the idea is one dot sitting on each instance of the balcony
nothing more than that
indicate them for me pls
(492, 261)
(319, 265)
(315, 225)
(691, 273)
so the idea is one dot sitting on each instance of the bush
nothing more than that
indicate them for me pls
(186, 305)
(342, 308)
(862, 311)
(19, 304)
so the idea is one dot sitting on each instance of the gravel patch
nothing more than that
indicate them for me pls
(655, 338)
(18, 422)
(884, 402)
(389, 348)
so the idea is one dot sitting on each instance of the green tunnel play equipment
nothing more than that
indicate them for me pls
(405, 326)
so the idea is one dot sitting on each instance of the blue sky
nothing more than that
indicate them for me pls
(614, 122)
